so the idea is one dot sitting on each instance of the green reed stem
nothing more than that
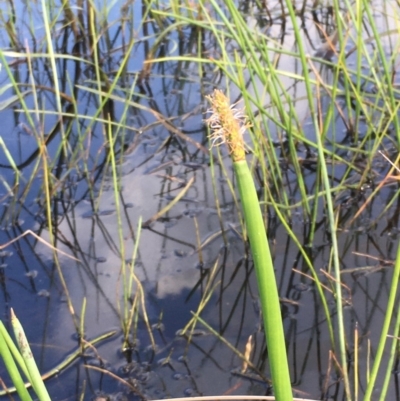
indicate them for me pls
(228, 126)
(268, 290)
(10, 364)
(385, 328)
(25, 349)
(336, 266)
(392, 358)
(62, 365)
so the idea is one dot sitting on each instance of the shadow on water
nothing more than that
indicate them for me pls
(191, 257)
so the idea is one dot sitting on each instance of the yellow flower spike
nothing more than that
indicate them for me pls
(227, 124)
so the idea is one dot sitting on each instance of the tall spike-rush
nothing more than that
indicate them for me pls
(227, 126)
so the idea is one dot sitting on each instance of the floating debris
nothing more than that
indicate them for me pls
(193, 333)
(180, 253)
(188, 392)
(44, 293)
(301, 287)
(88, 215)
(170, 223)
(192, 212)
(158, 326)
(91, 214)
(164, 361)
(107, 212)
(193, 165)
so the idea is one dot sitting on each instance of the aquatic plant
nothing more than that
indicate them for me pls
(319, 83)
(227, 126)
(24, 357)
(21, 356)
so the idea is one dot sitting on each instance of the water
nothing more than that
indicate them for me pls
(188, 258)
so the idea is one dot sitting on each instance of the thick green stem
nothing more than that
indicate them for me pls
(268, 290)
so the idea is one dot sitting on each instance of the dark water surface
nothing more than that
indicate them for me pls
(192, 256)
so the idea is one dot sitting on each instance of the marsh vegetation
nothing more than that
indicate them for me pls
(117, 219)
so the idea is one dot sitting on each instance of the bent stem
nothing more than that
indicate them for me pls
(228, 125)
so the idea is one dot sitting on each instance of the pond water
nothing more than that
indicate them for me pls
(190, 258)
